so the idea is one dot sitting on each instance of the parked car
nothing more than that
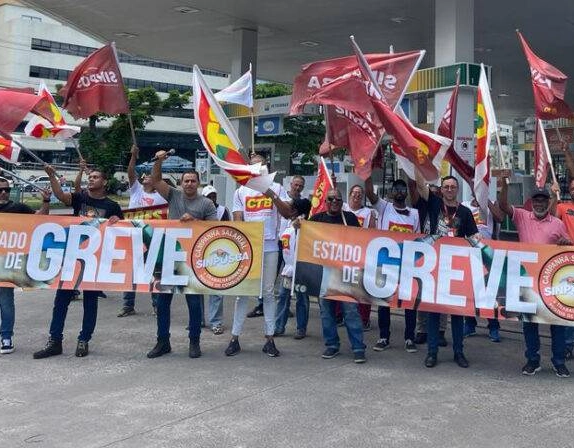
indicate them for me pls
(41, 181)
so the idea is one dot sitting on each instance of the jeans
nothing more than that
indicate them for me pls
(7, 312)
(422, 322)
(130, 299)
(456, 325)
(569, 337)
(301, 310)
(353, 324)
(493, 324)
(268, 293)
(532, 341)
(214, 311)
(384, 313)
(164, 315)
(60, 310)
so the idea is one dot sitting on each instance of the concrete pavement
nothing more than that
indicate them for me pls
(116, 397)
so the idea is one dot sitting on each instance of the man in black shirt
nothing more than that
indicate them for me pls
(93, 203)
(445, 216)
(7, 308)
(352, 319)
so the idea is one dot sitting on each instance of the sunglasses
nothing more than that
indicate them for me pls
(333, 199)
(5, 189)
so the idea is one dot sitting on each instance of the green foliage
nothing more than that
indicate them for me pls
(271, 89)
(176, 100)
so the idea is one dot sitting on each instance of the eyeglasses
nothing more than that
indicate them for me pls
(5, 189)
(333, 199)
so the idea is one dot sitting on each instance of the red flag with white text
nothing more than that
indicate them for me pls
(96, 85)
(548, 85)
(541, 153)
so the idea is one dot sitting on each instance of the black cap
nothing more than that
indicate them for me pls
(540, 192)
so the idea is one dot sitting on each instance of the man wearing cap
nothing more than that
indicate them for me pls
(216, 301)
(538, 227)
(142, 194)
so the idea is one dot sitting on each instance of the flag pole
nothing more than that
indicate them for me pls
(548, 156)
(24, 181)
(76, 147)
(129, 113)
(252, 133)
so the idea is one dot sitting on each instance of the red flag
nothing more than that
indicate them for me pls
(8, 152)
(322, 186)
(357, 132)
(96, 85)
(16, 105)
(541, 155)
(548, 85)
(338, 82)
(447, 128)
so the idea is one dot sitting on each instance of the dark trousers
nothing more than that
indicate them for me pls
(164, 315)
(60, 311)
(384, 313)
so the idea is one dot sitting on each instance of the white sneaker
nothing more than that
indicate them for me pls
(7, 346)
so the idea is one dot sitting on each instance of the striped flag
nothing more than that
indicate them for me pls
(220, 139)
(8, 153)
(485, 128)
(322, 186)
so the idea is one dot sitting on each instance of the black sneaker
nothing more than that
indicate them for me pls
(52, 348)
(367, 326)
(330, 353)
(233, 348)
(442, 342)
(301, 334)
(410, 346)
(161, 348)
(126, 312)
(530, 368)
(82, 349)
(7, 346)
(194, 349)
(256, 312)
(382, 344)
(420, 338)
(460, 359)
(561, 371)
(360, 358)
(270, 348)
(430, 361)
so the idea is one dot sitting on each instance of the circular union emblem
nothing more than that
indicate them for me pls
(556, 285)
(221, 257)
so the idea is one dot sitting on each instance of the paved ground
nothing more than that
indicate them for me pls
(116, 397)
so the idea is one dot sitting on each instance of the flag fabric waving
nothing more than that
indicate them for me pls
(239, 92)
(8, 153)
(96, 85)
(16, 105)
(485, 128)
(542, 158)
(56, 126)
(322, 186)
(220, 139)
(548, 85)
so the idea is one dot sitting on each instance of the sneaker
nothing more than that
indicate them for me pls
(360, 358)
(367, 326)
(194, 350)
(7, 346)
(278, 334)
(430, 361)
(330, 353)
(75, 295)
(270, 349)
(102, 295)
(442, 342)
(82, 349)
(161, 348)
(256, 312)
(469, 330)
(410, 346)
(420, 338)
(561, 371)
(382, 344)
(233, 348)
(52, 348)
(126, 312)
(301, 334)
(217, 329)
(494, 335)
(530, 368)
(461, 360)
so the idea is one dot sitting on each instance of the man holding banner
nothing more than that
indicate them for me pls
(142, 194)
(92, 203)
(445, 216)
(538, 227)
(186, 205)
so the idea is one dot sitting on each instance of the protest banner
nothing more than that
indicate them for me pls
(199, 257)
(151, 212)
(447, 275)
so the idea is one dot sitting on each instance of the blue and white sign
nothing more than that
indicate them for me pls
(270, 126)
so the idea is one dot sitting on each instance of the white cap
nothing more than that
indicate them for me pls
(208, 189)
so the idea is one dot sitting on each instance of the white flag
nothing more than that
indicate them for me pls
(240, 92)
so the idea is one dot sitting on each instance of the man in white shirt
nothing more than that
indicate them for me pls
(396, 217)
(142, 194)
(252, 206)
